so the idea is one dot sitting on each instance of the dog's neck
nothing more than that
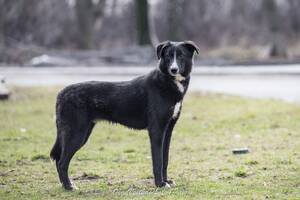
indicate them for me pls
(179, 85)
(180, 82)
(179, 78)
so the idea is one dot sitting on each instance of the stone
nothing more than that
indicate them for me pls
(4, 92)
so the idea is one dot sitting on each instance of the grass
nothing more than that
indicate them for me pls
(116, 161)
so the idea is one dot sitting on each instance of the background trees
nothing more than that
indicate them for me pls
(101, 24)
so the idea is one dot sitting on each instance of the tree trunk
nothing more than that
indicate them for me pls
(277, 43)
(175, 19)
(2, 31)
(85, 21)
(294, 6)
(142, 22)
(1, 20)
(269, 7)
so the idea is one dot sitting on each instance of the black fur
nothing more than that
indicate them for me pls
(146, 102)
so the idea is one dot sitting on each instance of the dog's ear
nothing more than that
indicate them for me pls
(160, 48)
(191, 46)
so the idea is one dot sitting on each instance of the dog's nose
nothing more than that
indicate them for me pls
(174, 70)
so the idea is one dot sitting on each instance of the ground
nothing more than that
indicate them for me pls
(116, 161)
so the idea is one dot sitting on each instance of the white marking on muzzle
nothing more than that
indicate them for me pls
(178, 76)
(174, 64)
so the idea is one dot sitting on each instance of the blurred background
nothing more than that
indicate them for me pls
(225, 30)
(249, 54)
(249, 37)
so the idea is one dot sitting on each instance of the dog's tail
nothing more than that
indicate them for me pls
(56, 151)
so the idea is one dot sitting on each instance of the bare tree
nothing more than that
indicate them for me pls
(1, 25)
(84, 13)
(87, 13)
(2, 34)
(294, 6)
(142, 22)
(269, 7)
(175, 19)
(278, 46)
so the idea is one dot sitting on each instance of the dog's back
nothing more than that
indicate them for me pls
(119, 102)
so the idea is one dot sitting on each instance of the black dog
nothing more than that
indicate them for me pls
(152, 102)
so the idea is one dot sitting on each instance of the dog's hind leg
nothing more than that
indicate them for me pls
(88, 132)
(72, 141)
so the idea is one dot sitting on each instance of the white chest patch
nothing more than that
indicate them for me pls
(179, 86)
(178, 77)
(176, 111)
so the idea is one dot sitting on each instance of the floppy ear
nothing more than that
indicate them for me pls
(160, 48)
(191, 46)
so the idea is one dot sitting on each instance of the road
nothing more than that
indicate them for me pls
(276, 82)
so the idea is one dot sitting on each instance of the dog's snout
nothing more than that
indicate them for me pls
(174, 70)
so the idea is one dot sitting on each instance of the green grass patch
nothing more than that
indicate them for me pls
(241, 172)
(116, 162)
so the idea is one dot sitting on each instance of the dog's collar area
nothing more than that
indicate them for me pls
(178, 80)
(179, 77)
(179, 85)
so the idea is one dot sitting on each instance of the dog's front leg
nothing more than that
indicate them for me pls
(156, 134)
(166, 147)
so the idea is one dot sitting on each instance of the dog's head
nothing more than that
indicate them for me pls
(176, 58)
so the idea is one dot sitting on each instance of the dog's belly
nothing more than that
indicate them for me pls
(132, 116)
(134, 123)
(131, 121)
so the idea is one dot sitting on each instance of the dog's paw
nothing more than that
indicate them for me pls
(163, 185)
(167, 185)
(70, 187)
(171, 182)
